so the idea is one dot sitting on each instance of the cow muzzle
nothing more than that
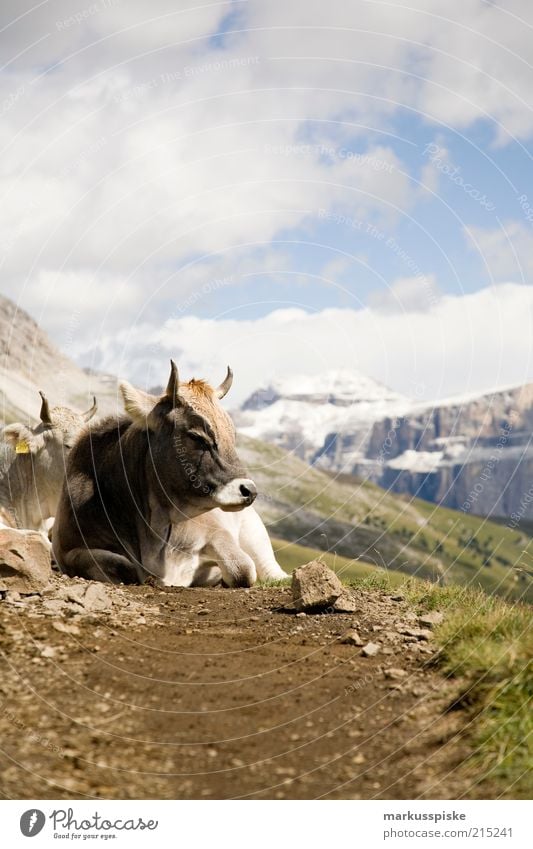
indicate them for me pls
(239, 493)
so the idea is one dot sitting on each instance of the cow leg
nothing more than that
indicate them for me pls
(236, 566)
(97, 564)
(254, 540)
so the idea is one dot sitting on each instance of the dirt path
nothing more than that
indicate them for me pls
(142, 693)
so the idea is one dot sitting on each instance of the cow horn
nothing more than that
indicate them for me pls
(45, 410)
(173, 384)
(225, 386)
(90, 413)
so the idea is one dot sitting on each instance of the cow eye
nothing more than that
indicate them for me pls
(199, 439)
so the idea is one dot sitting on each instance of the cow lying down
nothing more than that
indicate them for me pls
(161, 492)
(33, 466)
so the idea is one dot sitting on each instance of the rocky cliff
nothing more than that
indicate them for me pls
(29, 361)
(472, 454)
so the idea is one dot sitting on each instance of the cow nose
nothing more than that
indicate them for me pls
(248, 490)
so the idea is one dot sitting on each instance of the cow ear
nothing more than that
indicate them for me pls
(138, 404)
(21, 439)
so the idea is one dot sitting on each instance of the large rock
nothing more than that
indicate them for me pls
(25, 563)
(315, 587)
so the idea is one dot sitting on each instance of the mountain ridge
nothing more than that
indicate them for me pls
(434, 451)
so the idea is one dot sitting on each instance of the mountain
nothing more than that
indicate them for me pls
(471, 453)
(301, 414)
(29, 361)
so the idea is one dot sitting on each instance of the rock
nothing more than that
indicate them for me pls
(90, 597)
(96, 598)
(12, 597)
(429, 620)
(370, 650)
(394, 673)
(416, 633)
(301, 615)
(65, 627)
(398, 597)
(25, 563)
(351, 638)
(48, 651)
(345, 603)
(315, 587)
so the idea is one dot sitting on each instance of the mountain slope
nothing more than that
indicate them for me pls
(29, 362)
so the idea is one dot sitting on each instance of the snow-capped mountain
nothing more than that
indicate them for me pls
(300, 413)
(473, 453)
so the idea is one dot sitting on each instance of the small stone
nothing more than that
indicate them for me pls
(301, 615)
(429, 620)
(395, 673)
(358, 759)
(12, 597)
(345, 603)
(351, 638)
(370, 650)
(398, 597)
(415, 633)
(315, 587)
(48, 651)
(387, 650)
(97, 597)
(204, 612)
(65, 627)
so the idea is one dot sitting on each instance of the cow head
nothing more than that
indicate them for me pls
(192, 444)
(56, 432)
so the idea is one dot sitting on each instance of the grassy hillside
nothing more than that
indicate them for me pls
(290, 555)
(358, 520)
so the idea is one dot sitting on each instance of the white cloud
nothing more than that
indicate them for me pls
(141, 156)
(470, 343)
(407, 294)
(506, 251)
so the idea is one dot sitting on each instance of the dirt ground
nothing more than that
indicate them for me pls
(136, 692)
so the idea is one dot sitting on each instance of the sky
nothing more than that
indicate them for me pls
(287, 187)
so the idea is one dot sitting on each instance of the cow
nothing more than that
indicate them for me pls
(33, 465)
(161, 494)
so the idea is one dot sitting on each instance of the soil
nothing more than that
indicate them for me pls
(137, 692)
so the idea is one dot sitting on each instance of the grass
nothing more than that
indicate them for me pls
(487, 645)
(290, 555)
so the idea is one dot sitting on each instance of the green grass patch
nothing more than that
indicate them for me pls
(487, 645)
(290, 555)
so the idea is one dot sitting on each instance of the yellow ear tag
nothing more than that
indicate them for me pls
(22, 447)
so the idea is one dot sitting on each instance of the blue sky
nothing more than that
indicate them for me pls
(174, 171)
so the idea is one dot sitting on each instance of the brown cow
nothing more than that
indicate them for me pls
(139, 490)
